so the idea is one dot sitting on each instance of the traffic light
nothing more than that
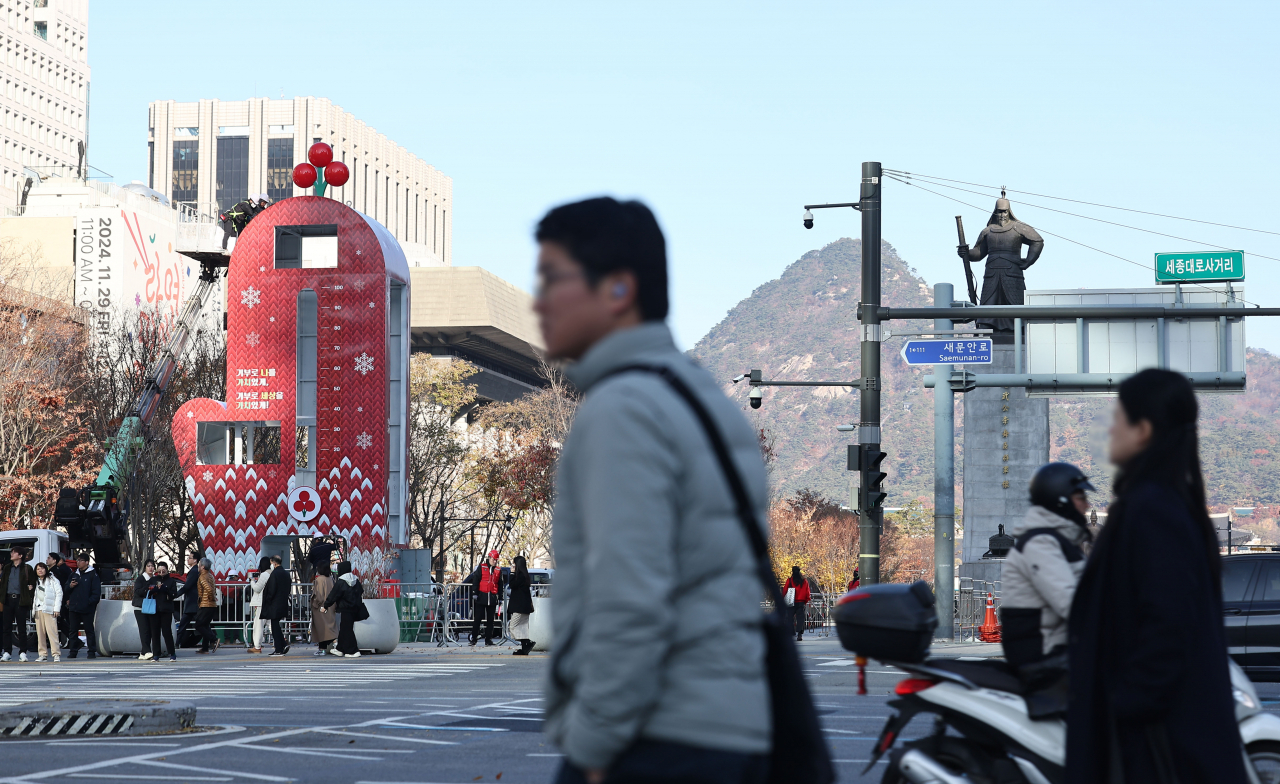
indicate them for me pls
(872, 495)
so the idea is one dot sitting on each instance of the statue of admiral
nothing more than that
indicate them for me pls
(1001, 244)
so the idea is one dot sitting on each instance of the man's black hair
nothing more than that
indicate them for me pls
(605, 235)
(57, 557)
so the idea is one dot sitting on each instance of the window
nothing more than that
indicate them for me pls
(233, 170)
(1270, 586)
(151, 164)
(186, 160)
(237, 443)
(307, 247)
(279, 168)
(1235, 579)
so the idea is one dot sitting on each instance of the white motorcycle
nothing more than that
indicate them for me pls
(999, 742)
(994, 739)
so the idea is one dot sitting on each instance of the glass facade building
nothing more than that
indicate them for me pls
(233, 170)
(186, 160)
(279, 169)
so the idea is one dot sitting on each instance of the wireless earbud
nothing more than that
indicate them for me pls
(619, 290)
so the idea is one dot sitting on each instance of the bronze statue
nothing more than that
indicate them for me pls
(1001, 244)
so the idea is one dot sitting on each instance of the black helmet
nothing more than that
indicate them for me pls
(1052, 487)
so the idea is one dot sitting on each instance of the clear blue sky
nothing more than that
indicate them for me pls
(727, 117)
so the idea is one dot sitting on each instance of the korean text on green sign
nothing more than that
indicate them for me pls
(1200, 267)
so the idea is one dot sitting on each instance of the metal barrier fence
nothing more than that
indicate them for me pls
(971, 606)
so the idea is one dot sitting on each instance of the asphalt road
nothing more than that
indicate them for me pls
(421, 714)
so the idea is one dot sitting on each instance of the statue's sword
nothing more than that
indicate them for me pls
(968, 268)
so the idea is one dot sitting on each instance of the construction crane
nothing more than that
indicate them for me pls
(94, 517)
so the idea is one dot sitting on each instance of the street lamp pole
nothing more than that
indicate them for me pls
(869, 422)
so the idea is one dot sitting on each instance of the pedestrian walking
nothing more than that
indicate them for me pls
(1151, 696)
(275, 603)
(658, 669)
(324, 627)
(520, 605)
(256, 586)
(86, 592)
(207, 597)
(19, 581)
(188, 594)
(163, 590)
(47, 605)
(797, 587)
(856, 581)
(60, 570)
(486, 584)
(141, 590)
(347, 598)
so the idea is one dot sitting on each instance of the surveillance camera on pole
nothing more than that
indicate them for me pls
(757, 397)
(808, 219)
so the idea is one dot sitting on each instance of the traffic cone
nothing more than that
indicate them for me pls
(990, 630)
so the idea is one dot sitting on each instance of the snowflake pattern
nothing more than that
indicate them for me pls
(359, 409)
(364, 363)
(370, 304)
(364, 440)
(359, 284)
(250, 297)
(208, 476)
(251, 338)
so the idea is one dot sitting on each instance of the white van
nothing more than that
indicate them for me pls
(39, 542)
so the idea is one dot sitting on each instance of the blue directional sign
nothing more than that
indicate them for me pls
(970, 351)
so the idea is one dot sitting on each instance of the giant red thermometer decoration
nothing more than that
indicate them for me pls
(311, 437)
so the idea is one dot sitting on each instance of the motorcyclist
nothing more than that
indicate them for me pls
(1039, 582)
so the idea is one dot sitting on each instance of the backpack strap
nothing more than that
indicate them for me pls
(1070, 549)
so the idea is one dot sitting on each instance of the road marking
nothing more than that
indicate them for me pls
(837, 663)
(307, 752)
(446, 729)
(389, 737)
(544, 755)
(138, 777)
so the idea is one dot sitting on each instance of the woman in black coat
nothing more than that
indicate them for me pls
(347, 597)
(1151, 697)
(163, 589)
(520, 605)
(141, 587)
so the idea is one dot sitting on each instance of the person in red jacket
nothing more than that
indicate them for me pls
(487, 581)
(853, 584)
(798, 607)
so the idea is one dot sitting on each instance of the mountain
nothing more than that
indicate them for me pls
(803, 326)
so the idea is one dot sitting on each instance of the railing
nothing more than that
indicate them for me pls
(971, 606)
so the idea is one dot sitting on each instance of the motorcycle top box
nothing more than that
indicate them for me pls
(888, 622)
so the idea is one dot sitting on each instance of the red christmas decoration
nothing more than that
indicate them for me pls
(320, 155)
(336, 174)
(304, 175)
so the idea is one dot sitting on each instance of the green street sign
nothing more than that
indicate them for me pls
(1200, 267)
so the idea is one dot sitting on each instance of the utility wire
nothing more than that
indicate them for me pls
(1102, 220)
(1068, 239)
(1090, 203)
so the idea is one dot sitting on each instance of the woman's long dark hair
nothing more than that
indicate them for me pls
(1172, 459)
(520, 567)
(264, 563)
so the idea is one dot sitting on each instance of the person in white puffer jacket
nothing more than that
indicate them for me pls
(45, 608)
(1039, 582)
(258, 585)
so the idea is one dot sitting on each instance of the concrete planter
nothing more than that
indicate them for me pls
(116, 628)
(381, 632)
(540, 623)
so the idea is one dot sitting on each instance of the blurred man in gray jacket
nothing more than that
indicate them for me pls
(657, 670)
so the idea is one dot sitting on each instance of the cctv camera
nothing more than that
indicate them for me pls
(808, 219)
(757, 397)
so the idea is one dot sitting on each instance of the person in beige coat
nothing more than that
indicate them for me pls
(324, 625)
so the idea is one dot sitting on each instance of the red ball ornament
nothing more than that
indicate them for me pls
(336, 174)
(320, 154)
(304, 175)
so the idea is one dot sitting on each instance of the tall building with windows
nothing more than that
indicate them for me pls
(45, 99)
(211, 154)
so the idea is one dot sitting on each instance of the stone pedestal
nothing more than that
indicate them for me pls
(1006, 438)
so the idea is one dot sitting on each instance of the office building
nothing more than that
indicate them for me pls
(45, 95)
(210, 154)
